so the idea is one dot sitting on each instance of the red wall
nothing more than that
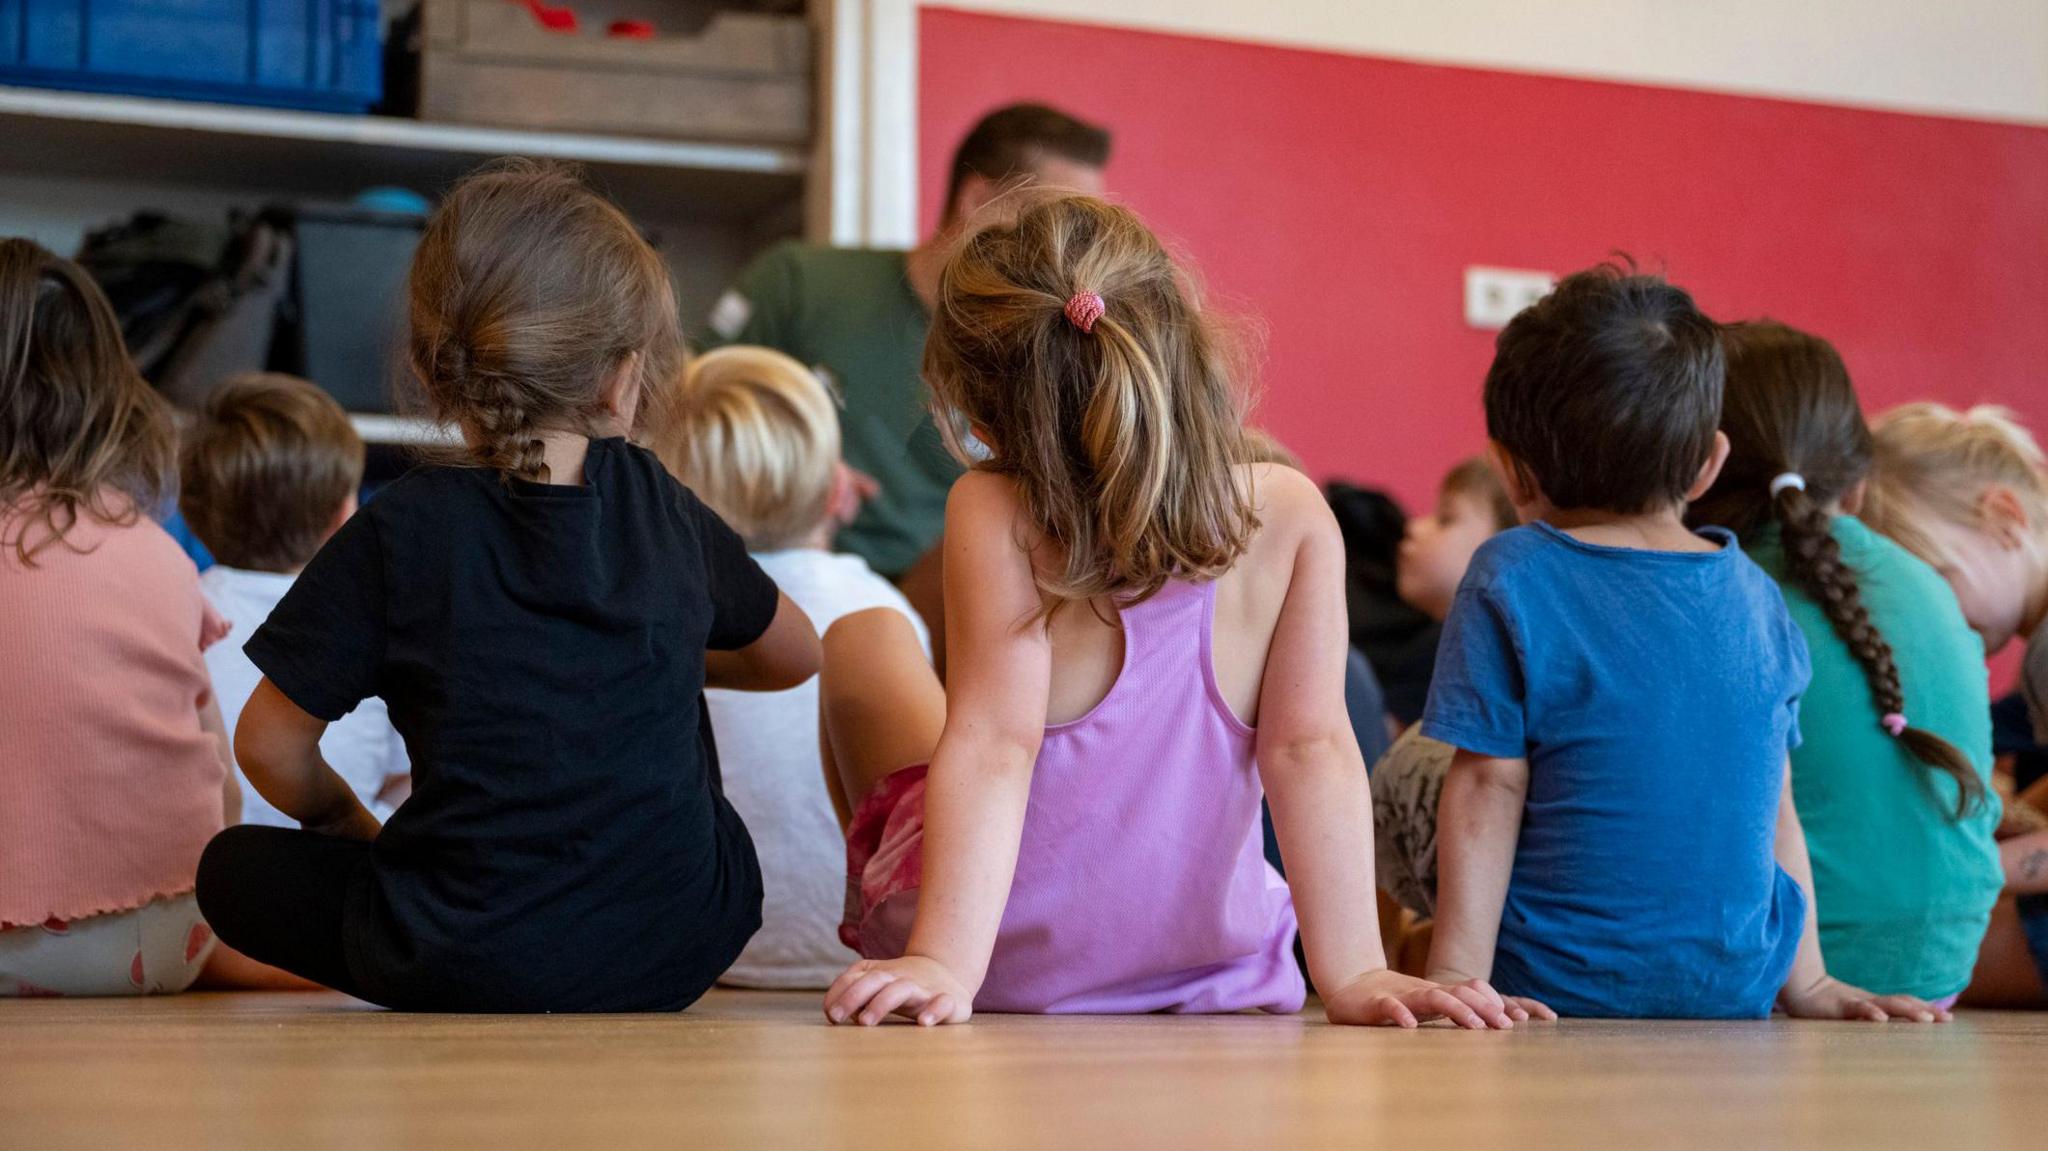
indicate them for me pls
(1338, 199)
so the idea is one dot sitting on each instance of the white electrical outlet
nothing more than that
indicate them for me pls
(1494, 295)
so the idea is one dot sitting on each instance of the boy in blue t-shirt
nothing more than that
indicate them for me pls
(1616, 837)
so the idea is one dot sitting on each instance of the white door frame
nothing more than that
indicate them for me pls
(863, 180)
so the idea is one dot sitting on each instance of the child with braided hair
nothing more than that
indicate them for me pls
(541, 618)
(1890, 778)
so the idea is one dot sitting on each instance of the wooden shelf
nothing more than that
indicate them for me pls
(120, 137)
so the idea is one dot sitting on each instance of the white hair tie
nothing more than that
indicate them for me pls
(1785, 480)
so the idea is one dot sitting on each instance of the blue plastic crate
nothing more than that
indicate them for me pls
(324, 55)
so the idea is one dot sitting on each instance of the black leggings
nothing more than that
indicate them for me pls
(279, 896)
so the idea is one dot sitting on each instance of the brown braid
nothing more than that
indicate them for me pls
(1789, 407)
(1815, 560)
(528, 293)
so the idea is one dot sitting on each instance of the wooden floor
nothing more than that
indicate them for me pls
(762, 1070)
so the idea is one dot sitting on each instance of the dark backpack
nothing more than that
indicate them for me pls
(197, 302)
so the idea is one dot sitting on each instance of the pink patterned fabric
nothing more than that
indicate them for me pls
(109, 789)
(1141, 880)
(885, 864)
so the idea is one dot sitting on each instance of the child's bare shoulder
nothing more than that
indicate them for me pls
(1289, 505)
(985, 507)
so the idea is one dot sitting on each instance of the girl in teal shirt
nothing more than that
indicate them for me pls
(1892, 778)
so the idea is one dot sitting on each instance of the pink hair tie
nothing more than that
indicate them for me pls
(1894, 722)
(1083, 309)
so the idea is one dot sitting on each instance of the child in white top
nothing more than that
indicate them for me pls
(270, 472)
(756, 435)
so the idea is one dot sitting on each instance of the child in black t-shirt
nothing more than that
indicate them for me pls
(541, 618)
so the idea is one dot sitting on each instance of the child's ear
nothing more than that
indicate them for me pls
(1711, 470)
(2004, 516)
(1853, 496)
(1514, 478)
(341, 515)
(621, 393)
(843, 504)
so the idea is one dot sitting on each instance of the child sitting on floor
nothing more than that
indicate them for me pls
(115, 767)
(270, 471)
(1965, 492)
(541, 618)
(755, 435)
(1622, 693)
(1471, 508)
(1898, 812)
(1143, 629)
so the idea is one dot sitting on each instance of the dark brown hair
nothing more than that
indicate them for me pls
(1607, 391)
(1008, 142)
(1791, 408)
(263, 472)
(81, 434)
(527, 292)
(1473, 478)
(1121, 439)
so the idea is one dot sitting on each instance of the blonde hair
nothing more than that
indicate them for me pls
(1263, 447)
(1932, 464)
(1121, 439)
(528, 291)
(756, 435)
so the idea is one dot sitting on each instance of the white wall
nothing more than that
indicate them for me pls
(1978, 58)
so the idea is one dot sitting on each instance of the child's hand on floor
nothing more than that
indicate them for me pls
(913, 987)
(1383, 998)
(1830, 998)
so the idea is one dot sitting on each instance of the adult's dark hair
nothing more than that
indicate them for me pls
(1608, 391)
(1008, 143)
(1790, 407)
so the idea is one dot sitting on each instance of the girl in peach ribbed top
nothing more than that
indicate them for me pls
(113, 765)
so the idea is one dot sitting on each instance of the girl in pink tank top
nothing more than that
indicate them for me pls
(1141, 633)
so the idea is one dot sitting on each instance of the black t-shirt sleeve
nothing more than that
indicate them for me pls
(323, 645)
(743, 598)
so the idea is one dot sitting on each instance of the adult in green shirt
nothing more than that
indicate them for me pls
(860, 315)
(1892, 778)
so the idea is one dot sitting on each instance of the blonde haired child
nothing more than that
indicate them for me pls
(541, 616)
(1965, 491)
(1142, 631)
(116, 766)
(755, 435)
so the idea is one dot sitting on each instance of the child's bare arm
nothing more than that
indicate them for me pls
(1809, 991)
(980, 777)
(784, 656)
(1479, 818)
(1316, 784)
(278, 746)
(2026, 863)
